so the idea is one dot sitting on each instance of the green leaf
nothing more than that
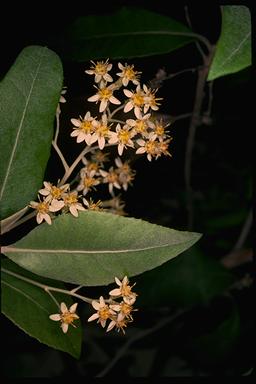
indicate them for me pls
(233, 51)
(97, 246)
(191, 279)
(129, 32)
(29, 95)
(29, 307)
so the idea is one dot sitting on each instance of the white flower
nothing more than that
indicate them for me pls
(43, 208)
(124, 290)
(122, 137)
(84, 129)
(136, 101)
(111, 177)
(105, 96)
(71, 201)
(66, 317)
(124, 308)
(103, 311)
(128, 74)
(100, 69)
(148, 146)
(125, 173)
(51, 192)
(87, 182)
(140, 125)
(102, 131)
(93, 206)
(119, 322)
(150, 100)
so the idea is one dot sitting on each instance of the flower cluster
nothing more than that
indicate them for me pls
(119, 313)
(144, 132)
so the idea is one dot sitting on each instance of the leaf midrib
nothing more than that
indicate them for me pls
(25, 295)
(134, 33)
(236, 50)
(36, 250)
(20, 125)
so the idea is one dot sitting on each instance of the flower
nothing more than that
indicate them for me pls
(51, 192)
(128, 74)
(124, 308)
(84, 129)
(124, 290)
(66, 317)
(125, 173)
(122, 137)
(105, 96)
(115, 205)
(152, 147)
(93, 206)
(159, 129)
(102, 131)
(71, 201)
(150, 100)
(44, 207)
(136, 101)
(103, 313)
(120, 322)
(100, 69)
(140, 125)
(110, 177)
(87, 182)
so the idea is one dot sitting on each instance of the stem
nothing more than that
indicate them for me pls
(180, 117)
(54, 142)
(117, 121)
(21, 221)
(77, 161)
(115, 111)
(47, 287)
(194, 123)
(244, 232)
(138, 336)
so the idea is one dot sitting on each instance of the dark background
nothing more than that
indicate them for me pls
(200, 341)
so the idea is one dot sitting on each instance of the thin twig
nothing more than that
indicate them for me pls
(138, 336)
(47, 287)
(19, 222)
(190, 25)
(210, 99)
(64, 163)
(194, 122)
(180, 117)
(244, 232)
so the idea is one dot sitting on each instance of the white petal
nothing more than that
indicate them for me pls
(128, 93)
(63, 307)
(55, 317)
(44, 192)
(97, 78)
(80, 137)
(93, 317)
(141, 142)
(114, 100)
(120, 149)
(115, 292)
(39, 218)
(64, 327)
(47, 218)
(111, 325)
(128, 107)
(73, 307)
(107, 77)
(102, 301)
(103, 105)
(73, 210)
(137, 112)
(94, 98)
(140, 150)
(101, 142)
(96, 305)
(75, 133)
(76, 122)
(118, 282)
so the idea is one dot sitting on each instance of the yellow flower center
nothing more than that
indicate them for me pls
(102, 130)
(56, 192)
(126, 290)
(140, 126)
(86, 126)
(89, 182)
(138, 99)
(126, 308)
(43, 207)
(68, 317)
(129, 73)
(71, 199)
(151, 147)
(112, 177)
(105, 93)
(101, 68)
(124, 136)
(104, 313)
(159, 130)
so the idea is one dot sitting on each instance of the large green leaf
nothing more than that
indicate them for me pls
(126, 33)
(233, 51)
(29, 95)
(29, 307)
(97, 246)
